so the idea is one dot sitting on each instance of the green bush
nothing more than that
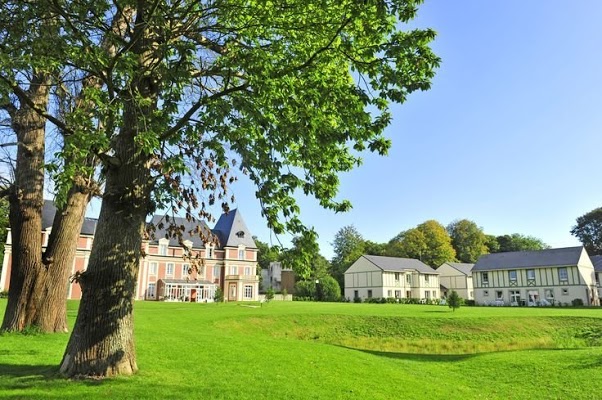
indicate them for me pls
(357, 299)
(577, 302)
(269, 294)
(218, 297)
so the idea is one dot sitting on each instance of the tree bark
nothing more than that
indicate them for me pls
(51, 288)
(102, 341)
(26, 202)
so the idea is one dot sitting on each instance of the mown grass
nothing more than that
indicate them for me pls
(330, 351)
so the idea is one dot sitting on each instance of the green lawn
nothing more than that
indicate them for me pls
(300, 350)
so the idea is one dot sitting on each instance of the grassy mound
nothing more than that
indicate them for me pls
(429, 336)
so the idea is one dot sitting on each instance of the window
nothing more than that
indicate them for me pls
(598, 279)
(499, 295)
(185, 269)
(434, 294)
(233, 270)
(397, 276)
(565, 291)
(515, 296)
(485, 292)
(427, 294)
(216, 273)
(247, 271)
(512, 275)
(248, 294)
(549, 293)
(409, 279)
(389, 293)
(241, 254)
(150, 293)
(169, 269)
(240, 234)
(162, 249)
(369, 294)
(356, 294)
(397, 294)
(152, 269)
(426, 279)
(209, 251)
(485, 278)
(471, 295)
(531, 274)
(563, 275)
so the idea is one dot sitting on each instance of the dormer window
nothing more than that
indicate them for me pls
(240, 234)
(163, 244)
(209, 250)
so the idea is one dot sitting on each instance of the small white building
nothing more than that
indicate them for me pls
(377, 276)
(458, 277)
(273, 275)
(543, 277)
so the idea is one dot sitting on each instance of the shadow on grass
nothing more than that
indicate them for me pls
(415, 356)
(32, 375)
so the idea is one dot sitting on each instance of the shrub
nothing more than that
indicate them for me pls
(577, 302)
(470, 303)
(328, 289)
(305, 289)
(218, 297)
(357, 299)
(269, 294)
(453, 300)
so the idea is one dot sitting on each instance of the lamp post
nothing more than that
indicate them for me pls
(318, 291)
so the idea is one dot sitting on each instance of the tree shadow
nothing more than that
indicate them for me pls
(415, 356)
(34, 375)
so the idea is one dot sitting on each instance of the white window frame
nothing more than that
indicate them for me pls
(512, 275)
(233, 270)
(151, 292)
(515, 296)
(248, 292)
(209, 250)
(563, 271)
(426, 279)
(247, 271)
(241, 253)
(485, 278)
(531, 274)
(168, 267)
(185, 269)
(153, 268)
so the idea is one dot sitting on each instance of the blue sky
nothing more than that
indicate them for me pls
(508, 136)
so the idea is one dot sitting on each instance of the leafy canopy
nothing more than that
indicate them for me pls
(469, 241)
(589, 231)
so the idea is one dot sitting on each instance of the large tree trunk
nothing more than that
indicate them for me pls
(102, 341)
(26, 202)
(51, 288)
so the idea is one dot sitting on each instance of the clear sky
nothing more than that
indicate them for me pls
(509, 135)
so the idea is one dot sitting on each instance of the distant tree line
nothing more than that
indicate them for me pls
(431, 242)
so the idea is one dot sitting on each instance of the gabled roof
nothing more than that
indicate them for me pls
(232, 231)
(597, 261)
(464, 268)
(400, 264)
(526, 259)
(198, 242)
(49, 211)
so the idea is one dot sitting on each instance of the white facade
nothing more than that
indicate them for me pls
(458, 277)
(367, 278)
(538, 285)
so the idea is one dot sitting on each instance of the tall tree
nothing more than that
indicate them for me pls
(305, 259)
(37, 294)
(3, 225)
(288, 92)
(428, 242)
(266, 253)
(518, 242)
(348, 246)
(589, 231)
(468, 240)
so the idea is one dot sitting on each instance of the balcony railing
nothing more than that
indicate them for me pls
(253, 278)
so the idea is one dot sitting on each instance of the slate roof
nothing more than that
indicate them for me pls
(528, 259)
(400, 264)
(49, 211)
(231, 230)
(464, 268)
(198, 242)
(597, 261)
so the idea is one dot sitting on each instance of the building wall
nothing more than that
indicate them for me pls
(547, 285)
(367, 280)
(453, 279)
(147, 277)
